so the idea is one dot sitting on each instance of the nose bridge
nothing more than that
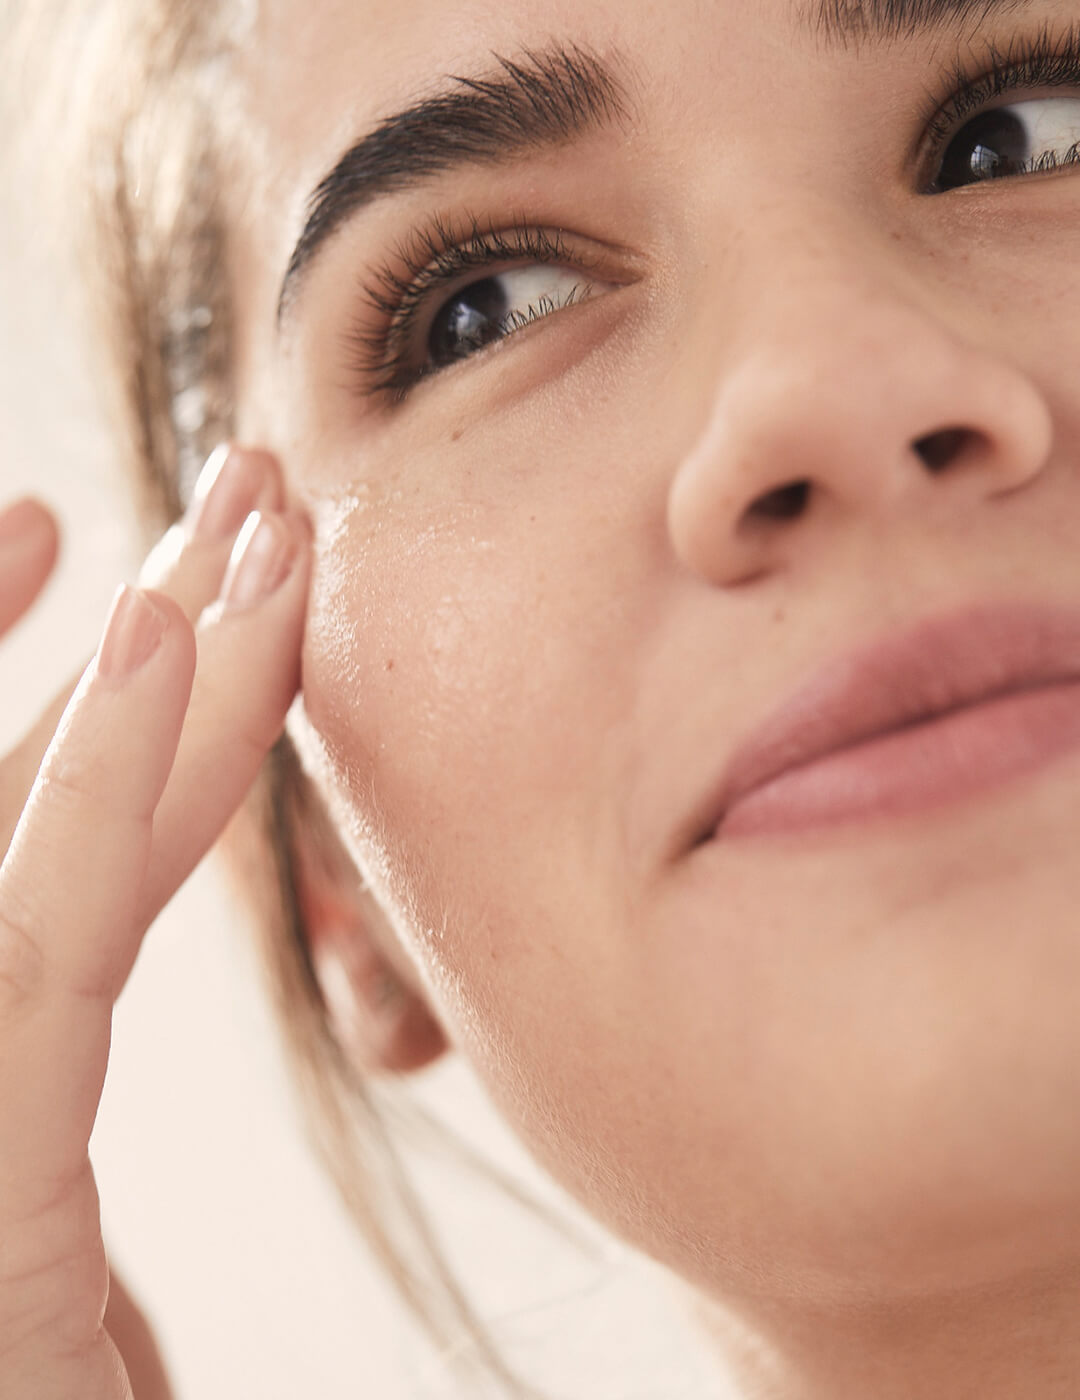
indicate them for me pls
(841, 379)
(820, 293)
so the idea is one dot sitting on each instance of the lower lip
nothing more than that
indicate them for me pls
(925, 765)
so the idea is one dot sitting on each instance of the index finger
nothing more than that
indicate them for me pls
(69, 894)
(71, 880)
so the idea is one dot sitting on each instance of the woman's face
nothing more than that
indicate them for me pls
(797, 377)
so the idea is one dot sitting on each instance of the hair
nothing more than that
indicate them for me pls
(145, 86)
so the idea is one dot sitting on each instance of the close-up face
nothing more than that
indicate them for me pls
(640, 393)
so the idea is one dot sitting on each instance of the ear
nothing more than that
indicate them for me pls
(377, 1008)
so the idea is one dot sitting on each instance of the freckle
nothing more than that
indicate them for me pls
(455, 436)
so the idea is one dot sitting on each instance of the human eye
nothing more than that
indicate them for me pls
(975, 137)
(417, 333)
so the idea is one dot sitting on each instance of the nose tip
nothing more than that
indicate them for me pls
(809, 437)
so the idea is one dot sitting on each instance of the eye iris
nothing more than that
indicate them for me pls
(468, 321)
(993, 145)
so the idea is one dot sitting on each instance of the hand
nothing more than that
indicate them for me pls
(156, 747)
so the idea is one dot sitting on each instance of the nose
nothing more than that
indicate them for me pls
(838, 407)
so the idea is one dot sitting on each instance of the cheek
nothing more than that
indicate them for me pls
(469, 712)
(478, 629)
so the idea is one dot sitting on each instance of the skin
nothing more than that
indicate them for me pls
(104, 812)
(828, 1080)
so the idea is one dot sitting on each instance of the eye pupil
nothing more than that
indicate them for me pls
(468, 321)
(995, 144)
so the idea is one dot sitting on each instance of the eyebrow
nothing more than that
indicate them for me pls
(839, 23)
(548, 100)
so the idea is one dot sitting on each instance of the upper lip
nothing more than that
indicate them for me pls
(943, 663)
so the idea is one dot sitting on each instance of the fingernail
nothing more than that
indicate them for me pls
(20, 522)
(225, 493)
(261, 559)
(132, 634)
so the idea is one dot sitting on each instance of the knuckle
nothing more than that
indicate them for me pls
(69, 782)
(72, 785)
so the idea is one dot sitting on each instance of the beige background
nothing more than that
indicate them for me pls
(213, 1205)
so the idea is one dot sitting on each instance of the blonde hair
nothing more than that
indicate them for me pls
(143, 83)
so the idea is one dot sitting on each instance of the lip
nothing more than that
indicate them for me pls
(937, 690)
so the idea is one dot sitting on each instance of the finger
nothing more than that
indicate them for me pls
(71, 881)
(29, 542)
(248, 674)
(19, 768)
(70, 888)
(188, 565)
(190, 560)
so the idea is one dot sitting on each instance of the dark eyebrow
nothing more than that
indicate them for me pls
(839, 23)
(547, 100)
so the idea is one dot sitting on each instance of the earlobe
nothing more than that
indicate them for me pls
(377, 1009)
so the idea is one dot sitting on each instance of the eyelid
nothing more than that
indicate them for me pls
(438, 293)
(398, 299)
(1037, 64)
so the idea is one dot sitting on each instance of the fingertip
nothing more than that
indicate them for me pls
(177, 630)
(29, 544)
(29, 523)
(234, 481)
(301, 520)
(272, 493)
(180, 630)
(141, 624)
(302, 533)
(167, 605)
(261, 456)
(272, 496)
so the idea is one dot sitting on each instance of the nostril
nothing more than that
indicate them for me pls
(939, 449)
(785, 503)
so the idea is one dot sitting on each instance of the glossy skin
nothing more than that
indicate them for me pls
(543, 616)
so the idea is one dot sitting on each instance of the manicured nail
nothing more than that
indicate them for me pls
(132, 634)
(20, 522)
(225, 492)
(261, 559)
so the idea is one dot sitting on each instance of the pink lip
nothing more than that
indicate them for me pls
(953, 705)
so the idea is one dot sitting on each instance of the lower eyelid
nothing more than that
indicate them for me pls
(482, 358)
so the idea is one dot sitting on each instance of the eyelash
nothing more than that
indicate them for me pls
(1040, 60)
(1028, 62)
(434, 256)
